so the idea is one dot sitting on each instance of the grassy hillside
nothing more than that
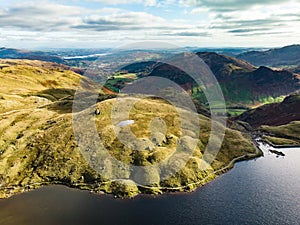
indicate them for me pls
(38, 145)
(27, 84)
(288, 134)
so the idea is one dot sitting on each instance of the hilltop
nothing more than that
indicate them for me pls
(223, 65)
(38, 145)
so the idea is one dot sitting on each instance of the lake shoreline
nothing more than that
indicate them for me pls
(279, 146)
(95, 188)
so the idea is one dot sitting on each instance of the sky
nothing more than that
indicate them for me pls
(114, 23)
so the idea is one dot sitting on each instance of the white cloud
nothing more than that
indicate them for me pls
(229, 5)
(205, 21)
(118, 2)
(199, 10)
(57, 17)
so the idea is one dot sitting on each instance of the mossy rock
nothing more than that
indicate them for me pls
(124, 188)
(187, 144)
(148, 176)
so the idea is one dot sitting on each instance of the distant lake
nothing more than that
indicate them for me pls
(85, 56)
(261, 191)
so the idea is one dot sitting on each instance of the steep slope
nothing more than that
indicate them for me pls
(221, 65)
(274, 114)
(241, 82)
(288, 56)
(38, 144)
(262, 85)
(27, 83)
(278, 123)
(139, 67)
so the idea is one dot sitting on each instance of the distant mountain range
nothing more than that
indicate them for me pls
(10, 53)
(286, 56)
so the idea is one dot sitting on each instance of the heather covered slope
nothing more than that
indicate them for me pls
(241, 83)
(274, 114)
(223, 65)
(38, 145)
(279, 122)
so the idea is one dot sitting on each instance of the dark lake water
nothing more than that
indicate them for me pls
(261, 191)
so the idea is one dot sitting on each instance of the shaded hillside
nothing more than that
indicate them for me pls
(221, 65)
(289, 55)
(10, 53)
(38, 145)
(139, 67)
(241, 82)
(274, 114)
(262, 85)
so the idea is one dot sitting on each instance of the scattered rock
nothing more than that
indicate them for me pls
(97, 112)
(278, 153)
